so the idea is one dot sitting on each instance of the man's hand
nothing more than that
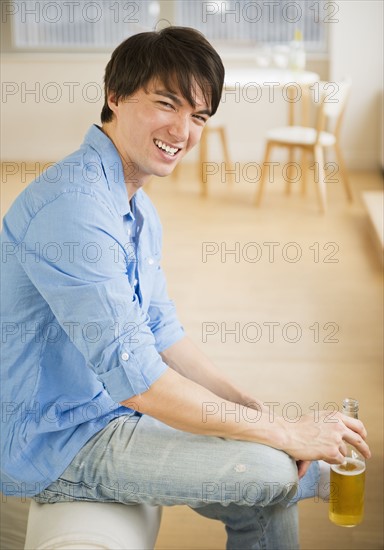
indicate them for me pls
(324, 438)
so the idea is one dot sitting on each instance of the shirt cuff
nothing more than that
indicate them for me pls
(168, 335)
(136, 372)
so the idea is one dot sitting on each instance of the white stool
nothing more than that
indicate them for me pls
(92, 526)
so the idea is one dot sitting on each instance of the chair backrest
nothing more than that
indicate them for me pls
(332, 99)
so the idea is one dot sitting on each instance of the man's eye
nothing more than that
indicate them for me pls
(201, 118)
(168, 105)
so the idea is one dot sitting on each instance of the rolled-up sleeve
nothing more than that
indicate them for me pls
(164, 322)
(78, 263)
(163, 319)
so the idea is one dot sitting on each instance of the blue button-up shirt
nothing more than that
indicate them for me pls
(85, 311)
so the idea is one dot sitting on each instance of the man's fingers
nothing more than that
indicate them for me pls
(302, 467)
(343, 449)
(355, 435)
(359, 444)
(355, 425)
(339, 458)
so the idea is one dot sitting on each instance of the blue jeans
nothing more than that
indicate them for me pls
(137, 459)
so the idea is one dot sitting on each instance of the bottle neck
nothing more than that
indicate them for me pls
(350, 407)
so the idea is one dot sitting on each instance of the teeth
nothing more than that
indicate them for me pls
(165, 147)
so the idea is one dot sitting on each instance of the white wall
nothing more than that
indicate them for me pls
(48, 103)
(356, 49)
(48, 124)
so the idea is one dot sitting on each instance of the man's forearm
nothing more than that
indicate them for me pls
(185, 405)
(189, 361)
(188, 406)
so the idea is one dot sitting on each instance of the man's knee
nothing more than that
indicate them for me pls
(263, 477)
(278, 481)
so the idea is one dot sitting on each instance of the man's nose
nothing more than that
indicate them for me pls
(179, 128)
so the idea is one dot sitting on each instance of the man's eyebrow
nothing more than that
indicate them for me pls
(169, 95)
(177, 100)
(204, 112)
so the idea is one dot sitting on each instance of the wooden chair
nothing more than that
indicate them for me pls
(330, 103)
(209, 130)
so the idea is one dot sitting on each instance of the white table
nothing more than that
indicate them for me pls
(243, 75)
(295, 83)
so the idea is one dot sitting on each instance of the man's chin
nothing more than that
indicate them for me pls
(165, 171)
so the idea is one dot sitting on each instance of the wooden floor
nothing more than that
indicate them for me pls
(330, 299)
(318, 283)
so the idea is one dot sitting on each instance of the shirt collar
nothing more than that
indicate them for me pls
(112, 166)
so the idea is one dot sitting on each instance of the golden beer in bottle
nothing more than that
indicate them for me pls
(346, 501)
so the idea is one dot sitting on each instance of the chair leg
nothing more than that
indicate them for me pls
(260, 192)
(343, 172)
(291, 159)
(227, 160)
(304, 171)
(320, 177)
(202, 161)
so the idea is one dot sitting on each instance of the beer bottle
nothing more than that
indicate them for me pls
(346, 501)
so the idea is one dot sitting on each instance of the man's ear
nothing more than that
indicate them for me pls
(112, 101)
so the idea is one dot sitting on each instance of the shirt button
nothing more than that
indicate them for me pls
(125, 356)
(151, 261)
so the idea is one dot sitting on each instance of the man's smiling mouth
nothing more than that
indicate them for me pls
(166, 148)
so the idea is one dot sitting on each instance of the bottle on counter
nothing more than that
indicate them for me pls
(346, 503)
(297, 57)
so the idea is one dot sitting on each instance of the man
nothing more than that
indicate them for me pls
(105, 398)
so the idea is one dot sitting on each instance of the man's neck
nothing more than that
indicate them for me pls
(132, 183)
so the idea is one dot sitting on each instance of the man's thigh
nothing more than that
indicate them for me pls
(139, 459)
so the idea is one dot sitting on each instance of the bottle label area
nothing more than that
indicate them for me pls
(346, 504)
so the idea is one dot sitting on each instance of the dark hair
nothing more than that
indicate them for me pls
(178, 56)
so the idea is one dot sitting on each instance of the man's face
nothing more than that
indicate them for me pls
(153, 130)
